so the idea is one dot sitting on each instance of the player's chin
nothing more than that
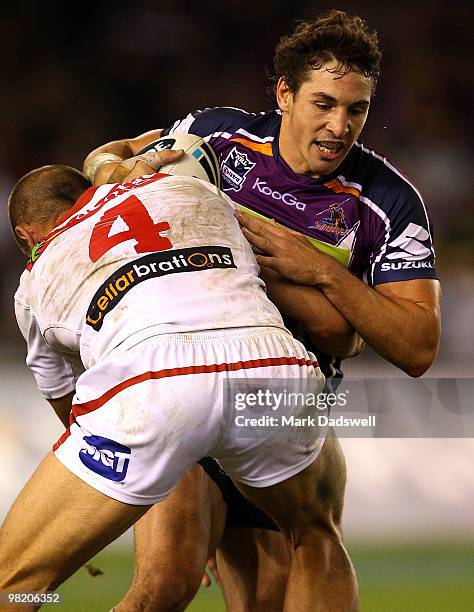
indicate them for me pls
(322, 165)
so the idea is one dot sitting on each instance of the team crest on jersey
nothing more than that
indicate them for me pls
(335, 223)
(235, 168)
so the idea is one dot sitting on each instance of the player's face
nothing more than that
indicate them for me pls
(322, 119)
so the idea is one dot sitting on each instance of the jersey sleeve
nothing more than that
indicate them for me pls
(55, 376)
(403, 248)
(211, 122)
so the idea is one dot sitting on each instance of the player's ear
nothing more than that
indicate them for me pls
(28, 234)
(283, 95)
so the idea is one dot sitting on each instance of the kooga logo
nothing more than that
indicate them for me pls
(286, 198)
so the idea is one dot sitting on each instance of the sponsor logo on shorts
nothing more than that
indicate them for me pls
(235, 168)
(407, 265)
(105, 457)
(193, 259)
(287, 198)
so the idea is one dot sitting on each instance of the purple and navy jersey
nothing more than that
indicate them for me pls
(366, 214)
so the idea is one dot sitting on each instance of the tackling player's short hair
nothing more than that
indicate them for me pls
(331, 36)
(42, 195)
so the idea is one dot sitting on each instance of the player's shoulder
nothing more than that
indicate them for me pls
(214, 121)
(190, 183)
(380, 182)
(229, 113)
(22, 293)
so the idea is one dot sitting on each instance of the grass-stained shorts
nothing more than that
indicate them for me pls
(149, 411)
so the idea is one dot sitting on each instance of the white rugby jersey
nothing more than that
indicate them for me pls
(161, 254)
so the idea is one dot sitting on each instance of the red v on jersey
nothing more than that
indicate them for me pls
(77, 214)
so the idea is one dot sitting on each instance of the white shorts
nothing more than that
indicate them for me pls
(146, 413)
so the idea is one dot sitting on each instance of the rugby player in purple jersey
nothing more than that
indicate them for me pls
(349, 259)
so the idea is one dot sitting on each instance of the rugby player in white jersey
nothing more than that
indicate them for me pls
(128, 281)
(299, 164)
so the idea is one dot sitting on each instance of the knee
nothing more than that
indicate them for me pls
(163, 591)
(317, 530)
(323, 541)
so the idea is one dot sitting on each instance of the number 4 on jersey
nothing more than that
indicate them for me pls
(140, 228)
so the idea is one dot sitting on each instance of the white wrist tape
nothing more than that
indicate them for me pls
(152, 158)
(92, 165)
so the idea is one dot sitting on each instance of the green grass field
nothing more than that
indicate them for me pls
(422, 578)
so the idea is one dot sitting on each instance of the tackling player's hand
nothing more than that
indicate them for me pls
(285, 251)
(128, 169)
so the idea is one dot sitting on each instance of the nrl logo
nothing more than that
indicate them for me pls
(235, 168)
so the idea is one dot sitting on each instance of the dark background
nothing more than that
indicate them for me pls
(77, 75)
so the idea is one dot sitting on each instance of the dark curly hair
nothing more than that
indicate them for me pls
(331, 36)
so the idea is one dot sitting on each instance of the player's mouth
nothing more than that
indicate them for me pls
(329, 149)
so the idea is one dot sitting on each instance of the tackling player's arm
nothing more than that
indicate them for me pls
(114, 161)
(399, 320)
(55, 377)
(62, 406)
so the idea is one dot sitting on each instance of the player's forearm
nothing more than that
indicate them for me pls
(329, 330)
(62, 407)
(400, 320)
(404, 332)
(99, 170)
(344, 345)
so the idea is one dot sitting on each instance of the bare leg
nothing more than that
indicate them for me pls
(173, 541)
(308, 509)
(57, 523)
(253, 566)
